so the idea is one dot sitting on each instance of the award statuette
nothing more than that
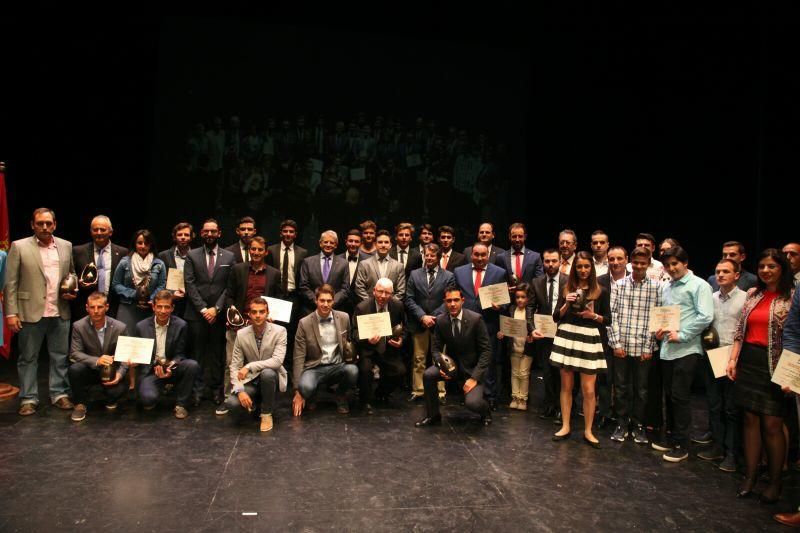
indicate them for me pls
(349, 354)
(108, 373)
(446, 364)
(580, 302)
(397, 332)
(68, 285)
(710, 338)
(165, 364)
(88, 276)
(234, 319)
(143, 293)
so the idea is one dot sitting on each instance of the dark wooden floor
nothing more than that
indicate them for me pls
(135, 471)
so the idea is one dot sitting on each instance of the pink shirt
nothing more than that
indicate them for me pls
(52, 269)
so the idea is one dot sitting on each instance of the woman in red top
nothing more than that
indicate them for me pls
(754, 355)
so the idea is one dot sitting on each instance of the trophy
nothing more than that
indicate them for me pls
(143, 293)
(89, 276)
(234, 319)
(580, 302)
(107, 373)
(397, 332)
(165, 364)
(446, 364)
(69, 285)
(349, 354)
(710, 338)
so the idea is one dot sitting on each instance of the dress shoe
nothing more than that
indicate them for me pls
(703, 438)
(788, 519)
(548, 412)
(27, 409)
(429, 421)
(64, 403)
(593, 444)
(763, 500)
(368, 409)
(414, 397)
(559, 438)
(181, 412)
(487, 420)
(712, 454)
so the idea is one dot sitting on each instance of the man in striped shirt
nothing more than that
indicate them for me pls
(632, 297)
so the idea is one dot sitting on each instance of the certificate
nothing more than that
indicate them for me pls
(666, 317)
(718, 357)
(494, 294)
(513, 327)
(787, 373)
(375, 324)
(134, 350)
(546, 325)
(175, 280)
(279, 310)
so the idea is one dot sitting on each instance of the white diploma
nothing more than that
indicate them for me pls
(175, 280)
(787, 373)
(718, 357)
(513, 327)
(279, 310)
(134, 350)
(546, 325)
(494, 294)
(666, 317)
(374, 324)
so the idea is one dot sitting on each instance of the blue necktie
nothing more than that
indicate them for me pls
(101, 271)
(326, 269)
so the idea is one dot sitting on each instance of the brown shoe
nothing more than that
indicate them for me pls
(266, 423)
(181, 412)
(79, 413)
(342, 407)
(63, 403)
(27, 409)
(788, 519)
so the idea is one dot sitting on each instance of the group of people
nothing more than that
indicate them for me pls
(586, 314)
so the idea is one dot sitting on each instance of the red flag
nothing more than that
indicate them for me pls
(5, 349)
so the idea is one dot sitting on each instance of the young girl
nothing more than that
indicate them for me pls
(521, 349)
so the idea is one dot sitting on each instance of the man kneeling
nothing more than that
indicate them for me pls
(257, 364)
(169, 364)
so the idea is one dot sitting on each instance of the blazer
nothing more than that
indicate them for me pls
(82, 255)
(421, 301)
(538, 298)
(352, 299)
(494, 255)
(26, 284)
(456, 260)
(168, 257)
(471, 350)
(201, 291)
(311, 278)
(85, 347)
(367, 307)
(246, 354)
(369, 273)
(175, 349)
(413, 261)
(307, 351)
(236, 291)
(531, 264)
(236, 250)
(122, 284)
(273, 259)
(493, 274)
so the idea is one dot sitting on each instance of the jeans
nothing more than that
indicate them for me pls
(261, 388)
(678, 376)
(31, 337)
(630, 389)
(346, 375)
(183, 374)
(723, 415)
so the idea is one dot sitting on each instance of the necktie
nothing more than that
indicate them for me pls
(443, 262)
(518, 266)
(403, 257)
(352, 258)
(326, 269)
(564, 266)
(456, 327)
(211, 264)
(285, 271)
(246, 255)
(431, 277)
(550, 293)
(477, 280)
(101, 271)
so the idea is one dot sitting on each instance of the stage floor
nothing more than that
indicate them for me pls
(135, 471)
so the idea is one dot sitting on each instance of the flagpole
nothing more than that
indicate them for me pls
(6, 391)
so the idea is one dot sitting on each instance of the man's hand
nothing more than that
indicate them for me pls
(536, 335)
(375, 339)
(469, 385)
(619, 352)
(500, 335)
(112, 383)
(242, 373)
(397, 343)
(245, 400)
(495, 306)
(298, 402)
(428, 321)
(647, 356)
(673, 336)
(69, 295)
(210, 315)
(14, 323)
(444, 376)
(161, 373)
(105, 360)
(178, 295)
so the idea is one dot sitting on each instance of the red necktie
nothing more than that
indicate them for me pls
(519, 265)
(477, 280)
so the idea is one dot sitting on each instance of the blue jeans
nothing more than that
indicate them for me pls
(31, 337)
(346, 375)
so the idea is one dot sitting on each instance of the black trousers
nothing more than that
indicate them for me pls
(183, 377)
(550, 374)
(724, 416)
(678, 377)
(392, 368)
(83, 376)
(207, 343)
(654, 410)
(630, 389)
(261, 389)
(474, 399)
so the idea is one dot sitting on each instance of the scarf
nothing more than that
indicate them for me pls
(140, 267)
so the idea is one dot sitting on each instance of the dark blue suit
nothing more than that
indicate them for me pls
(421, 300)
(531, 264)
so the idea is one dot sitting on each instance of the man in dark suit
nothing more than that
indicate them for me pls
(94, 341)
(424, 302)
(245, 230)
(206, 274)
(522, 264)
(175, 257)
(381, 351)
(450, 258)
(105, 255)
(318, 270)
(735, 251)
(402, 250)
(545, 290)
(464, 334)
(425, 237)
(486, 236)
(169, 333)
(470, 278)
(353, 257)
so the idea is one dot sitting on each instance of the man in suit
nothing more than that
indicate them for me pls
(35, 310)
(206, 274)
(169, 333)
(464, 334)
(486, 236)
(381, 351)
(324, 268)
(425, 237)
(470, 278)
(567, 245)
(257, 365)
(792, 253)
(545, 290)
(424, 302)
(406, 254)
(106, 256)
(353, 257)
(734, 250)
(381, 265)
(522, 264)
(175, 257)
(319, 354)
(450, 258)
(245, 230)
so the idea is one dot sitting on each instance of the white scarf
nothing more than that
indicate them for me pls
(140, 267)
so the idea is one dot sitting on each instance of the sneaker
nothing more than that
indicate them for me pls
(640, 435)
(712, 454)
(703, 438)
(111, 406)
(342, 406)
(266, 423)
(676, 454)
(221, 409)
(514, 404)
(619, 434)
(181, 412)
(78, 413)
(661, 446)
(728, 464)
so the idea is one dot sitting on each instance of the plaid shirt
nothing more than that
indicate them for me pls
(630, 315)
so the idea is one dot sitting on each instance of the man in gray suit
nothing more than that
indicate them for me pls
(319, 354)
(324, 268)
(257, 364)
(94, 341)
(35, 310)
(380, 265)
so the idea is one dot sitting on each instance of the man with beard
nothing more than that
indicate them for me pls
(175, 257)
(522, 264)
(486, 237)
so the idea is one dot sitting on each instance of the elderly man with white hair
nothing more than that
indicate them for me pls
(326, 267)
(382, 351)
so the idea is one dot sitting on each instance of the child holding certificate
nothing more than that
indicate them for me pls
(520, 349)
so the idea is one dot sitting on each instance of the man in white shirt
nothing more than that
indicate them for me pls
(656, 270)
(600, 252)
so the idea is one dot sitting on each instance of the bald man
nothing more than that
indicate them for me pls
(106, 256)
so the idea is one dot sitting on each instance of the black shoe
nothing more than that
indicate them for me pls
(557, 419)
(703, 438)
(415, 397)
(429, 421)
(548, 412)
(763, 500)
(603, 422)
(593, 444)
(487, 420)
(712, 454)
(745, 493)
(559, 438)
(640, 435)
(619, 434)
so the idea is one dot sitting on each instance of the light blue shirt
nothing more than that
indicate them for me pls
(693, 295)
(101, 333)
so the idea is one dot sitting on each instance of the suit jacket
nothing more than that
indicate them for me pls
(236, 250)
(413, 261)
(26, 284)
(307, 351)
(246, 354)
(456, 260)
(368, 275)
(471, 350)
(202, 291)
(175, 349)
(236, 292)
(368, 307)
(82, 255)
(531, 264)
(273, 259)
(538, 300)
(85, 347)
(494, 255)
(352, 299)
(421, 301)
(168, 257)
(311, 278)
(493, 274)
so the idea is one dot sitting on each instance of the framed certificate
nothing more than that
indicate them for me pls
(375, 324)
(513, 327)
